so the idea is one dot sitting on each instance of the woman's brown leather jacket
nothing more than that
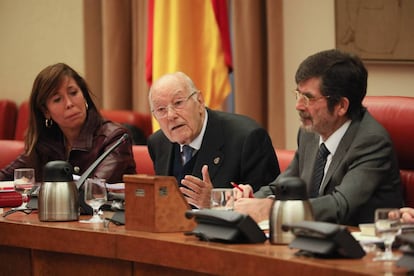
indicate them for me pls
(96, 137)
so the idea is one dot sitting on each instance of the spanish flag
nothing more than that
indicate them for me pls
(191, 36)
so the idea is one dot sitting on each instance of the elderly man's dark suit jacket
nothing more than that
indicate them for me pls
(234, 147)
(362, 176)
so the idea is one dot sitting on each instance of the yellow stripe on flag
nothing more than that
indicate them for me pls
(186, 38)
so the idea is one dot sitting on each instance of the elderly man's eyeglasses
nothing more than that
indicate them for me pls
(178, 104)
(307, 98)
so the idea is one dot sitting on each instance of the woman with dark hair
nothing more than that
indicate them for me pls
(65, 124)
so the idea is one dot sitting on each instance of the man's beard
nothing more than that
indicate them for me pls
(308, 128)
(305, 117)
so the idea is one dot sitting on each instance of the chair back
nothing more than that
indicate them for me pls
(9, 150)
(22, 121)
(8, 111)
(284, 158)
(143, 161)
(396, 115)
(133, 118)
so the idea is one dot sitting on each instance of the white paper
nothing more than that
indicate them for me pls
(7, 186)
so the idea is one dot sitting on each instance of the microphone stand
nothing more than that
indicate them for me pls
(79, 184)
(98, 161)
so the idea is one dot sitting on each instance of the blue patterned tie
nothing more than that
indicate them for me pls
(318, 170)
(187, 153)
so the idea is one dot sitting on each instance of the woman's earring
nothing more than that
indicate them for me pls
(48, 123)
(86, 105)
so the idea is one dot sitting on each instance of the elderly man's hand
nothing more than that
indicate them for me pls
(197, 191)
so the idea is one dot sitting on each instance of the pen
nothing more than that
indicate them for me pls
(235, 185)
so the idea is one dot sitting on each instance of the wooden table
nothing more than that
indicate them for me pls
(31, 247)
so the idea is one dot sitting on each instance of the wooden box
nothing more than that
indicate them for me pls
(155, 204)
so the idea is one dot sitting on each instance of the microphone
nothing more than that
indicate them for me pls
(98, 161)
(85, 208)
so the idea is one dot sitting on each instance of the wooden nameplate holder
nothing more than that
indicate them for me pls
(155, 204)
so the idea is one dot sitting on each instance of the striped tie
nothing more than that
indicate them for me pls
(318, 170)
(187, 154)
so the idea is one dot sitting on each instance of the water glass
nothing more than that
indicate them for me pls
(24, 180)
(222, 199)
(387, 227)
(95, 196)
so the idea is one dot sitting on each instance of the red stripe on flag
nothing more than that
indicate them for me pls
(220, 12)
(150, 35)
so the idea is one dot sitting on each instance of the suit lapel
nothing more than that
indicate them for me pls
(309, 154)
(341, 151)
(164, 159)
(211, 153)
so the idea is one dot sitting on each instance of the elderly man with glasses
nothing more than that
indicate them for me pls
(204, 148)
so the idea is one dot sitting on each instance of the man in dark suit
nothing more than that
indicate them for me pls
(225, 147)
(361, 172)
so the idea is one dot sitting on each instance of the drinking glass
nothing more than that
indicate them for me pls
(222, 199)
(95, 196)
(24, 180)
(387, 226)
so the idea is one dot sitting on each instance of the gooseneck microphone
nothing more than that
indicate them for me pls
(85, 208)
(98, 161)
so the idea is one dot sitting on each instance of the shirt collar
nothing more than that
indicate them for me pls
(333, 141)
(196, 143)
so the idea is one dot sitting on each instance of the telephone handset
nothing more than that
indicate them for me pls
(225, 226)
(407, 239)
(323, 239)
(407, 259)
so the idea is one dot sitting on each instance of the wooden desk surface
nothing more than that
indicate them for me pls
(68, 247)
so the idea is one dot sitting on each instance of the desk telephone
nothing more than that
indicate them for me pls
(225, 226)
(406, 239)
(323, 239)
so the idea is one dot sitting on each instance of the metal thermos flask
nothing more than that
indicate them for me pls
(291, 205)
(58, 194)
